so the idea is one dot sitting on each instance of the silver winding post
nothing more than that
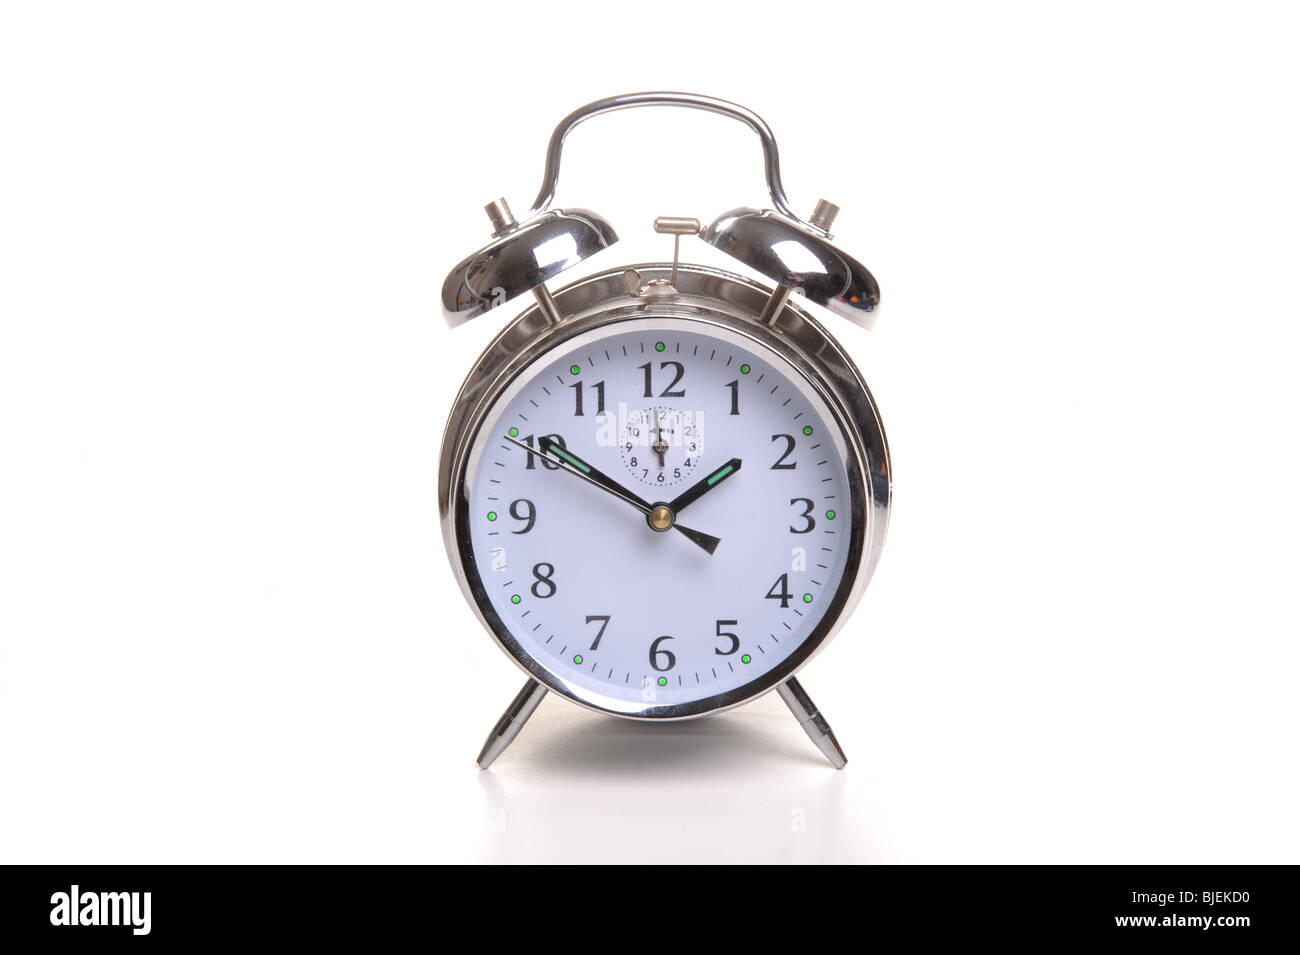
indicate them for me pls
(813, 723)
(512, 721)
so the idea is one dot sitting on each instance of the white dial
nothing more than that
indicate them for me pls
(695, 571)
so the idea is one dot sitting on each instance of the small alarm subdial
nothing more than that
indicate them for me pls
(660, 446)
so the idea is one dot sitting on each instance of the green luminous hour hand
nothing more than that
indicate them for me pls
(700, 487)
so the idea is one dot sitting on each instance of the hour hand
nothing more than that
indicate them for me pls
(660, 517)
(705, 484)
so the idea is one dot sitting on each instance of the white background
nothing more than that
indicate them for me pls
(228, 631)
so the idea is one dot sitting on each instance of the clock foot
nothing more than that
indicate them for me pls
(511, 722)
(814, 724)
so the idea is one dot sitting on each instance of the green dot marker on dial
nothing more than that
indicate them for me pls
(745, 658)
(744, 369)
(659, 346)
(514, 432)
(577, 658)
(515, 599)
(492, 515)
(663, 681)
(807, 598)
(575, 369)
(807, 429)
(830, 515)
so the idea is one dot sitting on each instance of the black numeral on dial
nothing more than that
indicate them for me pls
(735, 640)
(531, 465)
(525, 511)
(781, 591)
(667, 392)
(810, 521)
(598, 388)
(603, 618)
(543, 585)
(789, 450)
(662, 660)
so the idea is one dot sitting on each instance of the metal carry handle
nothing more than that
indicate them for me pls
(771, 162)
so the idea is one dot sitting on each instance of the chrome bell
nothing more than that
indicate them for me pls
(521, 258)
(797, 254)
(798, 258)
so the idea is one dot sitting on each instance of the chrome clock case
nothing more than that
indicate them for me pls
(796, 254)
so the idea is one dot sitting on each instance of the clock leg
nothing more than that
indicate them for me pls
(511, 722)
(813, 723)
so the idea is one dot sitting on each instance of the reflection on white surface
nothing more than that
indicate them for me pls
(745, 786)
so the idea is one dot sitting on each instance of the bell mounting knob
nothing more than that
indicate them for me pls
(499, 214)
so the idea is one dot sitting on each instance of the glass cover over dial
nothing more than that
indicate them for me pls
(658, 512)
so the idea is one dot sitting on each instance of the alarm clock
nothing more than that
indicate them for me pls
(663, 487)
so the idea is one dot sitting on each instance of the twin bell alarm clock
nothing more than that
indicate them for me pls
(663, 487)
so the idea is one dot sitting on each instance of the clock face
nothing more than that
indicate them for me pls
(660, 516)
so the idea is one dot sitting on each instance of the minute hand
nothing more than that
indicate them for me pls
(570, 462)
(705, 484)
(553, 454)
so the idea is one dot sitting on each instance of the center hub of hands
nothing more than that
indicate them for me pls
(661, 517)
